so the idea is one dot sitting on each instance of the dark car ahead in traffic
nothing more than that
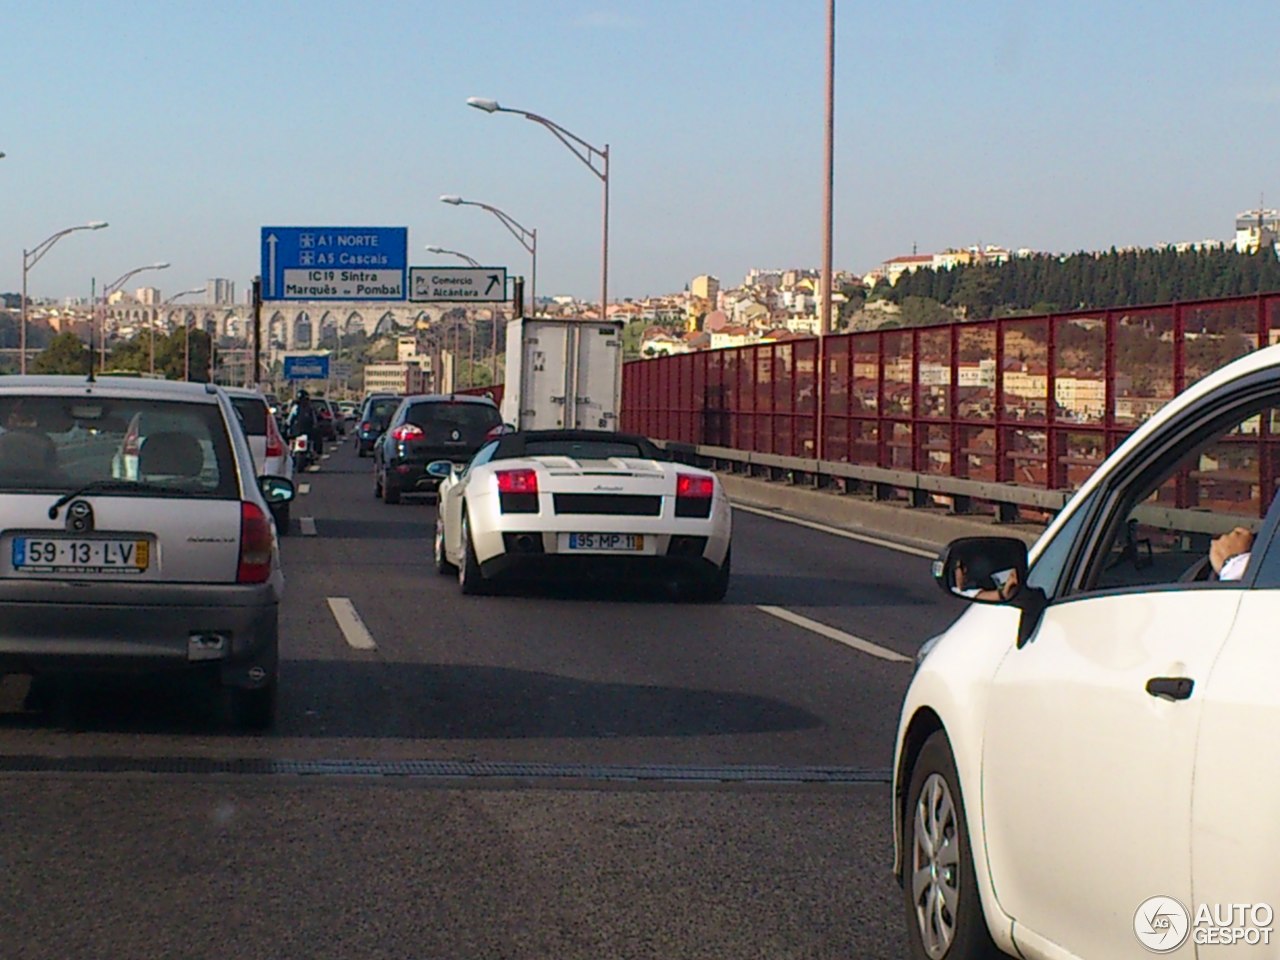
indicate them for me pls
(374, 416)
(430, 427)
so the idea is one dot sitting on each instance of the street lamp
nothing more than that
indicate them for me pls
(528, 239)
(165, 303)
(596, 160)
(454, 253)
(107, 291)
(29, 259)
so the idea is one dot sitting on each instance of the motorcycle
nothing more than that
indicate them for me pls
(302, 452)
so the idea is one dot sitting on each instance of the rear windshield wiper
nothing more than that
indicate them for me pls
(109, 486)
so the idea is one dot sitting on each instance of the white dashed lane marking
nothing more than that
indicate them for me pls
(304, 488)
(353, 629)
(308, 526)
(831, 633)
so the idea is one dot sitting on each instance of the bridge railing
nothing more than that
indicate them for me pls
(1035, 402)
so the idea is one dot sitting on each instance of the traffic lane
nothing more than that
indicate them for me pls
(878, 593)
(556, 676)
(573, 674)
(123, 866)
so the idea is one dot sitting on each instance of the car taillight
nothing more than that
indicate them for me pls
(366, 427)
(257, 545)
(275, 442)
(407, 431)
(517, 481)
(693, 495)
(689, 485)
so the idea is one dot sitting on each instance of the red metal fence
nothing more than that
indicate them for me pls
(1038, 401)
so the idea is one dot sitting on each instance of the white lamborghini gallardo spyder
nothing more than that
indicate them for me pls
(581, 504)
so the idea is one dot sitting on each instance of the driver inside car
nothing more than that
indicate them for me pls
(1229, 553)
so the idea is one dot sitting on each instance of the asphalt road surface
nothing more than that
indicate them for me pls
(573, 773)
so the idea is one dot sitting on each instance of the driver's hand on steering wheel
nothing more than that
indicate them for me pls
(1223, 548)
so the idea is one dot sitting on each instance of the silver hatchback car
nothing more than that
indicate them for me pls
(136, 535)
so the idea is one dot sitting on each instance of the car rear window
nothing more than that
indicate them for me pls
(253, 414)
(56, 443)
(582, 449)
(440, 420)
(381, 410)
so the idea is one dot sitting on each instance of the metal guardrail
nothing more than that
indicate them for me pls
(1006, 501)
(918, 489)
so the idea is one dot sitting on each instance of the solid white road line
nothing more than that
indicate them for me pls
(353, 629)
(831, 633)
(837, 532)
(304, 488)
(308, 526)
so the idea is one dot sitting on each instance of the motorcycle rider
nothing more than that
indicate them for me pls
(303, 420)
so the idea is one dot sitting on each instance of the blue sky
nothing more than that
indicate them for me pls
(1057, 126)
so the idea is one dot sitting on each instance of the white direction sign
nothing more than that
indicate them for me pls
(456, 284)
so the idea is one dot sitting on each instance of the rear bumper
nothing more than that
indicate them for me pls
(597, 568)
(145, 627)
(411, 476)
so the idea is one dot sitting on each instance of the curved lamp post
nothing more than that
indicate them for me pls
(528, 239)
(107, 291)
(167, 301)
(454, 253)
(29, 259)
(596, 160)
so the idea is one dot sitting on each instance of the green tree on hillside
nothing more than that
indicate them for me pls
(66, 353)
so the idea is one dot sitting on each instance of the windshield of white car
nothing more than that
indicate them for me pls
(58, 444)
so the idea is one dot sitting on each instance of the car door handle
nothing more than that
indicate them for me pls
(1170, 688)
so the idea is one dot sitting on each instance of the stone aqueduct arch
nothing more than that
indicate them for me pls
(288, 325)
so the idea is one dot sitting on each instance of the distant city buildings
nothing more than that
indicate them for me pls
(220, 292)
(147, 296)
(1256, 229)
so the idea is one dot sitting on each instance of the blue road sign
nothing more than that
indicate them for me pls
(334, 263)
(306, 368)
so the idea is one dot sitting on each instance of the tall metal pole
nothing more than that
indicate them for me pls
(257, 331)
(604, 256)
(22, 336)
(824, 324)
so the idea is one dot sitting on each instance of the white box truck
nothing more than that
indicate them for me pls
(563, 374)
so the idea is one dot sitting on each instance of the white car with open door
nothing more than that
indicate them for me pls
(581, 503)
(1085, 758)
(135, 536)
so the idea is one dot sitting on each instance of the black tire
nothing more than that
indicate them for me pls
(712, 589)
(360, 451)
(377, 483)
(281, 515)
(390, 490)
(251, 709)
(934, 776)
(442, 564)
(471, 579)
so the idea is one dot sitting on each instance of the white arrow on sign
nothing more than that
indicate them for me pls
(271, 261)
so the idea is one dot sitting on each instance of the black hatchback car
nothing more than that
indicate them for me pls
(430, 427)
(374, 416)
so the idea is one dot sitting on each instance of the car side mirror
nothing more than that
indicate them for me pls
(441, 469)
(983, 569)
(276, 489)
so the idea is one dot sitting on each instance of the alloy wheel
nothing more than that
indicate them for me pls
(935, 866)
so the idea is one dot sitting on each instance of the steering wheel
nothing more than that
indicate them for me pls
(1199, 572)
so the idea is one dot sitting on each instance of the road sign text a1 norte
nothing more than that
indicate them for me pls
(334, 263)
